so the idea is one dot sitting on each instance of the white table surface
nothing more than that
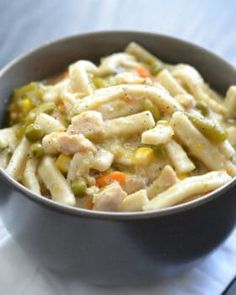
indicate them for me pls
(25, 24)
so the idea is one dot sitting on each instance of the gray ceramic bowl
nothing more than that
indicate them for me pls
(114, 248)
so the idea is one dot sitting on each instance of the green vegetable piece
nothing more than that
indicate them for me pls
(33, 132)
(37, 150)
(47, 107)
(32, 91)
(20, 131)
(202, 107)
(99, 82)
(155, 69)
(160, 151)
(79, 187)
(214, 132)
(150, 106)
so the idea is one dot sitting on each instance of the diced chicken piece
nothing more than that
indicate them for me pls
(134, 202)
(109, 198)
(89, 123)
(50, 144)
(160, 134)
(80, 165)
(71, 144)
(230, 102)
(8, 138)
(166, 179)
(133, 183)
(102, 160)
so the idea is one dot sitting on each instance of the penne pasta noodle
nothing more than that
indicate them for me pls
(160, 134)
(55, 182)
(126, 126)
(230, 102)
(79, 77)
(131, 94)
(30, 179)
(168, 81)
(199, 146)
(188, 187)
(134, 202)
(4, 158)
(232, 135)
(112, 63)
(190, 77)
(17, 162)
(179, 157)
(142, 54)
(227, 149)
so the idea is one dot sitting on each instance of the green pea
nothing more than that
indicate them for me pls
(160, 151)
(37, 150)
(79, 187)
(33, 132)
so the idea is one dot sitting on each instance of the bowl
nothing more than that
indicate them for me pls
(114, 248)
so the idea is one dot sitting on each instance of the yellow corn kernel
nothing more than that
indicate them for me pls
(63, 162)
(61, 108)
(182, 176)
(99, 82)
(143, 156)
(25, 104)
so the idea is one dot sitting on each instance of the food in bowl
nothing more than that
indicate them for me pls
(131, 134)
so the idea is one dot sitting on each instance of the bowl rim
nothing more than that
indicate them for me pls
(76, 211)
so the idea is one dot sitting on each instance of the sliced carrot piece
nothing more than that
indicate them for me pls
(108, 178)
(143, 72)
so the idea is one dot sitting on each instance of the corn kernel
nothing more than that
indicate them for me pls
(143, 156)
(182, 176)
(25, 105)
(63, 162)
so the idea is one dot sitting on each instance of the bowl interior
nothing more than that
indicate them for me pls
(55, 57)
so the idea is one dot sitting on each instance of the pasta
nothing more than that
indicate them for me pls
(129, 134)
